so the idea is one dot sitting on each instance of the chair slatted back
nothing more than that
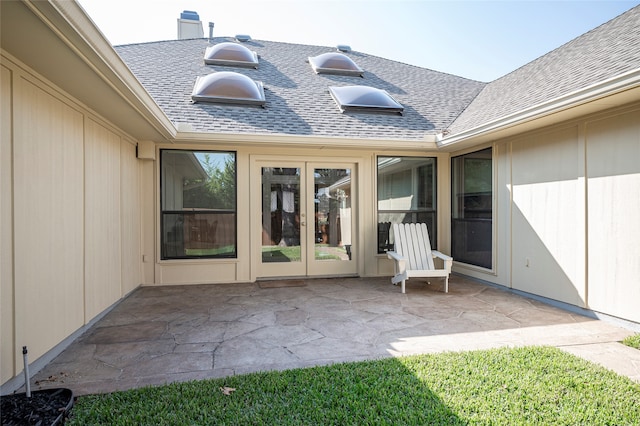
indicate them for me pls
(411, 241)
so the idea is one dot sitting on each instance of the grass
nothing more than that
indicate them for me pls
(292, 254)
(535, 385)
(633, 341)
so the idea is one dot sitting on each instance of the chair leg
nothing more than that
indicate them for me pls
(403, 286)
(446, 284)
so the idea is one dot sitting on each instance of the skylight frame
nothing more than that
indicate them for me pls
(318, 64)
(342, 94)
(228, 47)
(204, 82)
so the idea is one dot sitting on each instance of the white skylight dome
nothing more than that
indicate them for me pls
(335, 63)
(228, 87)
(230, 54)
(364, 99)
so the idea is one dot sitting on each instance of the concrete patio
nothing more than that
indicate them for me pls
(166, 334)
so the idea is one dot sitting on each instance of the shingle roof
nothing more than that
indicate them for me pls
(602, 53)
(297, 99)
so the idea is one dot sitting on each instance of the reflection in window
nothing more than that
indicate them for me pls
(332, 208)
(471, 208)
(198, 204)
(406, 194)
(281, 214)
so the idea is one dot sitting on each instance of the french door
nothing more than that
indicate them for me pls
(305, 218)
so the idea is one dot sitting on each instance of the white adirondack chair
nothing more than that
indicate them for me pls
(413, 256)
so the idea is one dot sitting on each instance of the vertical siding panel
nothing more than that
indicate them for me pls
(548, 244)
(613, 169)
(131, 210)
(7, 350)
(48, 206)
(102, 219)
(149, 213)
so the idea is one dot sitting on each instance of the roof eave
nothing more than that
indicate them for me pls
(186, 135)
(610, 93)
(100, 79)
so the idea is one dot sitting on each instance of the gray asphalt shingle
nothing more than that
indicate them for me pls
(298, 100)
(602, 53)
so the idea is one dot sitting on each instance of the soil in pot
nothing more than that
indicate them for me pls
(45, 407)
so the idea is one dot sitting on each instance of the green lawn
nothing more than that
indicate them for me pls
(633, 341)
(535, 385)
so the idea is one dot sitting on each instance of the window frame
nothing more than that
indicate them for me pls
(413, 213)
(195, 212)
(478, 223)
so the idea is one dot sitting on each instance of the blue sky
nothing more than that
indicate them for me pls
(480, 40)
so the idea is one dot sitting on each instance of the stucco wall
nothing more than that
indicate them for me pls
(566, 213)
(70, 221)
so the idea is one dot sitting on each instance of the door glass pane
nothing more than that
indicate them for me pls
(332, 200)
(281, 214)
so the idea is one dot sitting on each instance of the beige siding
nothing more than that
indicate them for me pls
(567, 201)
(48, 219)
(502, 214)
(243, 269)
(613, 164)
(102, 223)
(70, 216)
(7, 325)
(130, 216)
(149, 214)
(547, 217)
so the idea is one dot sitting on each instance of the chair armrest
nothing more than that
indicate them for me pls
(395, 256)
(400, 263)
(442, 256)
(448, 260)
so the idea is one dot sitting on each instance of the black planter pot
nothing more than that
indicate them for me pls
(45, 407)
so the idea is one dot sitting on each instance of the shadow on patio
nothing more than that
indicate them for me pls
(177, 333)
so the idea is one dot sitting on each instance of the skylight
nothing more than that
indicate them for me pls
(364, 99)
(230, 54)
(335, 63)
(228, 87)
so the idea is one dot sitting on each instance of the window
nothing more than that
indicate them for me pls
(364, 99)
(471, 209)
(228, 87)
(335, 63)
(198, 204)
(230, 54)
(406, 194)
